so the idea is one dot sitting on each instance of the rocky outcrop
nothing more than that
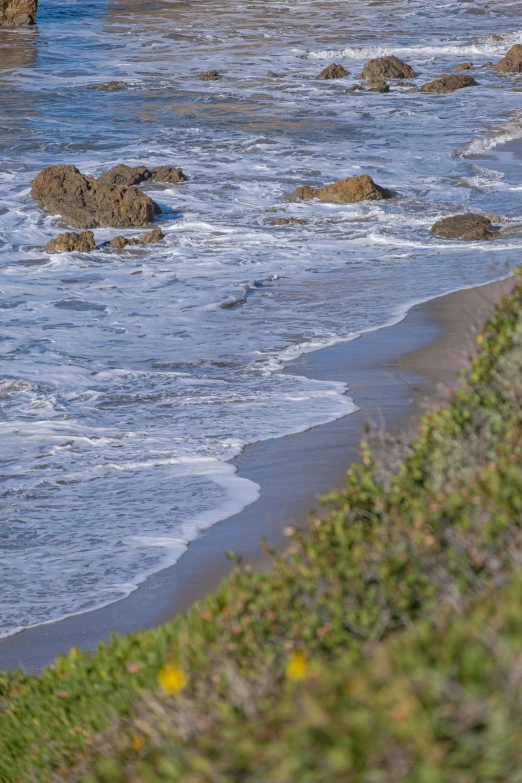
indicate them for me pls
(17, 12)
(333, 71)
(292, 221)
(70, 241)
(152, 237)
(463, 67)
(512, 62)
(448, 83)
(209, 76)
(345, 191)
(135, 175)
(387, 68)
(85, 202)
(469, 227)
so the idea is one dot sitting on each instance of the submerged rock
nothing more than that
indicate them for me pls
(356, 88)
(345, 191)
(209, 76)
(464, 67)
(17, 12)
(135, 175)
(273, 75)
(387, 68)
(512, 62)
(152, 237)
(333, 71)
(469, 227)
(71, 241)
(85, 202)
(121, 242)
(378, 85)
(292, 221)
(448, 83)
(108, 86)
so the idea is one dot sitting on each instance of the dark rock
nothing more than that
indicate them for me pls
(85, 202)
(209, 76)
(288, 222)
(405, 84)
(121, 242)
(108, 86)
(273, 75)
(512, 62)
(167, 174)
(345, 191)
(17, 12)
(448, 83)
(378, 85)
(152, 237)
(496, 37)
(387, 68)
(469, 227)
(356, 88)
(125, 175)
(333, 71)
(71, 241)
(463, 67)
(488, 64)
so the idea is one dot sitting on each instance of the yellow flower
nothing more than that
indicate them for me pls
(296, 665)
(137, 742)
(172, 680)
(480, 339)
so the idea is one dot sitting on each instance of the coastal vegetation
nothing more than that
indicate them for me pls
(383, 644)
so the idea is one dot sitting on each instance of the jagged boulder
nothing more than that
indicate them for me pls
(135, 175)
(85, 202)
(17, 12)
(387, 68)
(71, 241)
(512, 62)
(345, 191)
(449, 83)
(333, 71)
(470, 227)
(152, 237)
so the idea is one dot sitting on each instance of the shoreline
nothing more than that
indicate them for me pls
(393, 373)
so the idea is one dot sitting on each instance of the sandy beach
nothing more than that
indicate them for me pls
(394, 373)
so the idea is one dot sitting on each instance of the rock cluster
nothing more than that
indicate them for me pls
(468, 226)
(148, 238)
(387, 68)
(209, 76)
(85, 202)
(448, 83)
(512, 62)
(135, 175)
(71, 241)
(345, 191)
(17, 12)
(333, 71)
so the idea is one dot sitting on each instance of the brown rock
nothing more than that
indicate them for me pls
(404, 84)
(273, 75)
(469, 227)
(108, 86)
(463, 67)
(448, 83)
(167, 174)
(209, 76)
(488, 64)
(288, 222)
(512, 62)
(387, 68)
(378, 85)
(71, 241)
(85, 202)
(121, 242)
(355, 88)
(125, 175)
(333, 71)
(17, 12)
(152, 237)
(345, 191)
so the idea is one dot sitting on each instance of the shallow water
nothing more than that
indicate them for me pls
(129, 379)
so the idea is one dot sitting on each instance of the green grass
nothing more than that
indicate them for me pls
(396, 591)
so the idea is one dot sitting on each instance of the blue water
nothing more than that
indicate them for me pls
(128, 380)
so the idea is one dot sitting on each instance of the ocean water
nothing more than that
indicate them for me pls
(130, 379)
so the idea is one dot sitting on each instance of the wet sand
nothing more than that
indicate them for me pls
(394, 374)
